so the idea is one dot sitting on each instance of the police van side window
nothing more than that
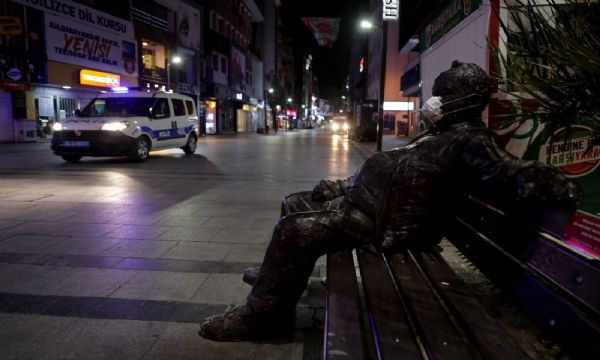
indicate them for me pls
(178, 107)
(161, 109)
(190, 107)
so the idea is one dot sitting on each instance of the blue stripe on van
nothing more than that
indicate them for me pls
(166, 134)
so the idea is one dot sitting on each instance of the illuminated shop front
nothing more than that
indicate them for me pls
(211, 117)
(87, 51)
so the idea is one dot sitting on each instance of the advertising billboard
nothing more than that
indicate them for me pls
(72, 42)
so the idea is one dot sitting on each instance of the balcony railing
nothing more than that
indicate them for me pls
(156, 73)
(148, 18)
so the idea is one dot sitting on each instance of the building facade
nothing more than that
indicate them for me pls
(65, 57)
(229, 67)
(366, 76)
(52, 62)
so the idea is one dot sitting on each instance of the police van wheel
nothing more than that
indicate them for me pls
(190, 146)
(142, 150)
(71, 158)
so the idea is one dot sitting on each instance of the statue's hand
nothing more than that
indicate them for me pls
(323, 191)
(390, 239)
(570, 196)
(549, 190)
(399, 240)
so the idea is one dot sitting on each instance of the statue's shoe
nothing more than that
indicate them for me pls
(241, 323)
(250, 275)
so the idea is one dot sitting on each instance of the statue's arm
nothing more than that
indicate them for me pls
(515, 183)
(403, 208)
(328, 189)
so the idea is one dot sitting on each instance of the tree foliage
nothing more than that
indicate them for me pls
(553, 58)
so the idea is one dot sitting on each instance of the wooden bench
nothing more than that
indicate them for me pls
(413, 305)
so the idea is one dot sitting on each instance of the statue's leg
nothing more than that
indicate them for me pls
(302, 201)
(298, 241)
(292, 204)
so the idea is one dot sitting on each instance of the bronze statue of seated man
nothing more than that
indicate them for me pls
(397, 199)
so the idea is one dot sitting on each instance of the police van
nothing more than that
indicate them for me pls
(128, 123)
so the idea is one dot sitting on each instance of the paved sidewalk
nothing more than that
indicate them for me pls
(108, 259)
(119, 260)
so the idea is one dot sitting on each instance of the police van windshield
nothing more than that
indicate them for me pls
(121, 106)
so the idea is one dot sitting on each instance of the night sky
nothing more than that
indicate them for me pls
(330, 65)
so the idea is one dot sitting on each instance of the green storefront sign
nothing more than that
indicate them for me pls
(450, 16)
(571, 153)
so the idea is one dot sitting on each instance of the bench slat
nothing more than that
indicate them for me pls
(392, 331)
(442, 340)
(343, 325)
(547, 304)
(491, 339)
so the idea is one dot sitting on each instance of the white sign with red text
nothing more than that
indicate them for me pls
(83, 14)
(73, 43)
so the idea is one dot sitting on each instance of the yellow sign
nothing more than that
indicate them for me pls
(245, 107)
(99, 78)
(10, 26)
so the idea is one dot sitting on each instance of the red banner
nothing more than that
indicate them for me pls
(326, 30)
(584, 232)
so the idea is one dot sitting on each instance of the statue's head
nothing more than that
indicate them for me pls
(464, 89)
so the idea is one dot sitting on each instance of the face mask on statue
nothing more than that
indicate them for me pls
(432, 108)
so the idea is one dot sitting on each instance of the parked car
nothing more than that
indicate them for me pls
(129, 123)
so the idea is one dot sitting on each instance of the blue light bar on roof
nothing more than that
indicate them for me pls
(120, 89)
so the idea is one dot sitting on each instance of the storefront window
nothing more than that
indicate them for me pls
(215, 62)
(211, 117)
(224, 65)
(67, 108)
(202, 66)
(148, 58)
(213, 20)
(153, 55)
(221, 26)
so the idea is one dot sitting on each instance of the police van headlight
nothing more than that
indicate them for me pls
(335, 127)
(346, 127)
(57, 127)
(114, 126)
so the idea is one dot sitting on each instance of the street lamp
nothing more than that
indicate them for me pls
(366, 24)
(287, 116)
(175, 60)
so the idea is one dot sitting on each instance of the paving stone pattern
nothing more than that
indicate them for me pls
(108, 259)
